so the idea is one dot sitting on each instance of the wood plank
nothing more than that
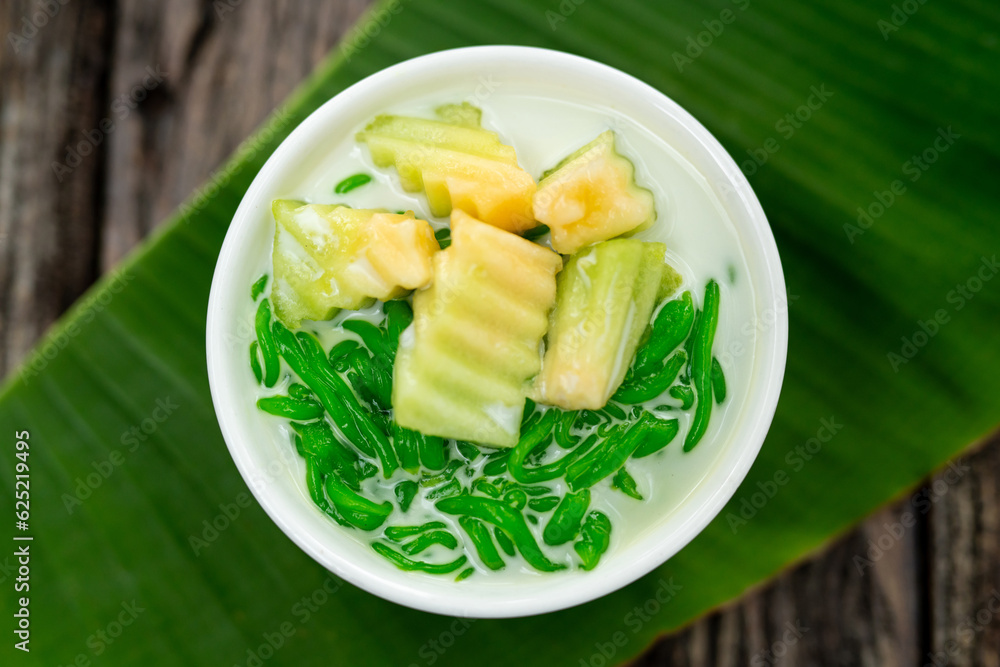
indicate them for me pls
(828, 611)
(932, 597)
(52, 74)
(964, 551)
(226, 65)
(156, 95)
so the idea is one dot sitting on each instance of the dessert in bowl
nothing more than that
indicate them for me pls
(483, 337)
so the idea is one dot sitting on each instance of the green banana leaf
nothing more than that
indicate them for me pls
(868, 131)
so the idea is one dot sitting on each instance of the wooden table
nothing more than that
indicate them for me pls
(208, 73)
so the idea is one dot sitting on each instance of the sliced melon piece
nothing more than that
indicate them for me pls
(591, 196)
(466, 138)
(392, 256)
(606, 296)
(457, 163)
(462, 369)
(327, 257)
(669, 283)
(460, 114)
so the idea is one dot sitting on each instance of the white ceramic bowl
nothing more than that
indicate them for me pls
(280, 488)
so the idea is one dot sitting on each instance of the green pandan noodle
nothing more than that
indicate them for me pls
(345, 429)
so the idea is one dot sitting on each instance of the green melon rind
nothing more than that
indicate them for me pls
(464, 114)
(455, 131)
(605, 298)
(670, 282)
(302, 278)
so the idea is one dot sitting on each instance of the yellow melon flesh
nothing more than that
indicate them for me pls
(392, 256)
(591, 197)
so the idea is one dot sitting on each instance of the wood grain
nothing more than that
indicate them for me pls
(163, 92)
(930, 596)
(51, 90)
(112, 113)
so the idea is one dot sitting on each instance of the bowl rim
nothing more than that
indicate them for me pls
(773, 348)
